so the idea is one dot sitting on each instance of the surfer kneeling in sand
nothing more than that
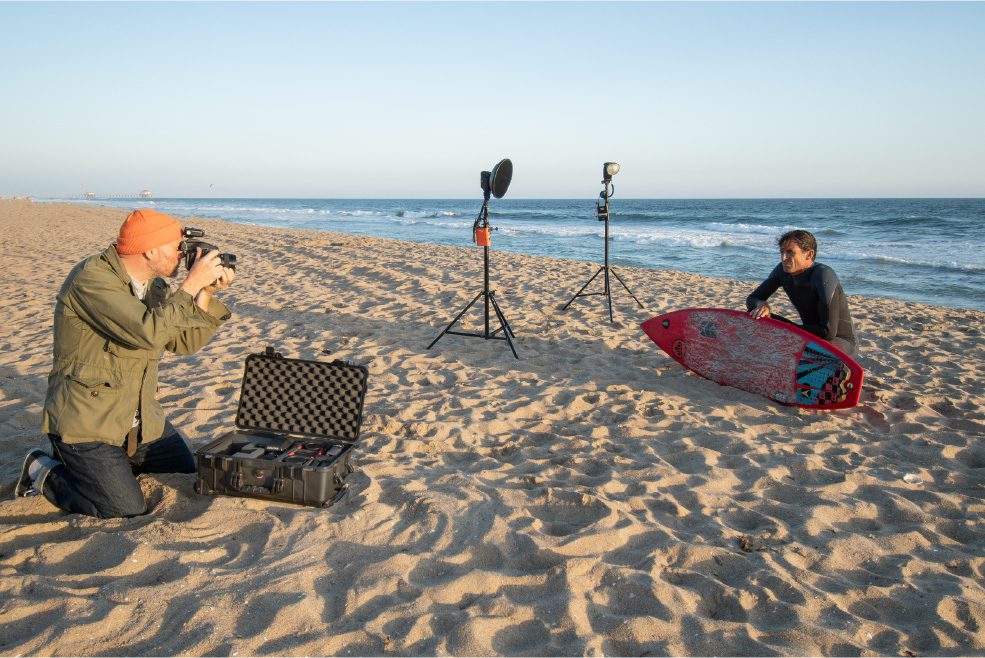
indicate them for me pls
(114, 317)
(813, 289)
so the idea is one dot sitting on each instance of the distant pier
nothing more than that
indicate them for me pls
(143, 194)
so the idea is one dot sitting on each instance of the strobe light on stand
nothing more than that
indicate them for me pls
(609, 169)
(494, 183)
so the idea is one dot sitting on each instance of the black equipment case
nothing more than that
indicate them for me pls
(297, 423)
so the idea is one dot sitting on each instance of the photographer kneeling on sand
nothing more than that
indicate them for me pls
(114, 317)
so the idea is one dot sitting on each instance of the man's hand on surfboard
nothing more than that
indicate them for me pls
(761, 311)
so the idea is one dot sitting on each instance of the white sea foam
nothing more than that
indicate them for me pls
(421, 214)
(757, 229)
(669, 237)
(559, 230)
(917, 260)
(409, 221)
(361, 213)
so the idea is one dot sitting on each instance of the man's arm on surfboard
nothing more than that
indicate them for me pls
(764, 291)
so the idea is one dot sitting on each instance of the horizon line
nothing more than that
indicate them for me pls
(548, 198)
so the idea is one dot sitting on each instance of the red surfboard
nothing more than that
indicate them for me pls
(765, 356)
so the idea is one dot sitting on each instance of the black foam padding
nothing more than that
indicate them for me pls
(302, 397)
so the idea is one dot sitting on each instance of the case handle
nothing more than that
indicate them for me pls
(337, 497)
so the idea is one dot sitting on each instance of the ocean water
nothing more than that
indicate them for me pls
(924, 250)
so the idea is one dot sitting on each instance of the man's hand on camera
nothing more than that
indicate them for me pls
(206, 270)
(227, 276)
(204, 295)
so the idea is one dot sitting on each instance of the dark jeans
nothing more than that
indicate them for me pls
(98, 479)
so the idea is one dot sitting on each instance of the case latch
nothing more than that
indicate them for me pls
(269, 351)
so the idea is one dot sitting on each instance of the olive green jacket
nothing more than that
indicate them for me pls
(106, 348)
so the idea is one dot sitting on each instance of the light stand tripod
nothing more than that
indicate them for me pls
(495, 183)
(602, 211)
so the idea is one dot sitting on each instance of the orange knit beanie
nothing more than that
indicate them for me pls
(144, 230)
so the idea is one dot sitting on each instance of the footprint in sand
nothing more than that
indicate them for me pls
(875, 418)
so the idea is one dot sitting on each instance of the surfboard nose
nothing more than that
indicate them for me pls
(656, 329)
(657, 325)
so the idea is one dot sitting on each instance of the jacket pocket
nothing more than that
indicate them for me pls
(93, 377)
(88, 403)
(97, 381)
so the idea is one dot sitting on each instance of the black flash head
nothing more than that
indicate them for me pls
(609, 169)
(189, 232)
(498, 180)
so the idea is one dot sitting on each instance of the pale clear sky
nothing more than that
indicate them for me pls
(408, 99)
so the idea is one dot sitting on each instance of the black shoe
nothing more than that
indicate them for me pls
(25, 485)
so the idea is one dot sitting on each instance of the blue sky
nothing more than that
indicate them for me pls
(695, 100)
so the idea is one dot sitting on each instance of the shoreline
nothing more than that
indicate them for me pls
(590, 497)
(878, 275)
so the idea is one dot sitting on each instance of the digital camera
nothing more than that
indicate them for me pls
(191, 243)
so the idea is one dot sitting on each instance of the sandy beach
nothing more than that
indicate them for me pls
(591, 498)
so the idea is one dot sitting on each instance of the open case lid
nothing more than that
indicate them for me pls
(310, 398)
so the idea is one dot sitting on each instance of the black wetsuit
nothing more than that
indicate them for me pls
(817, 295)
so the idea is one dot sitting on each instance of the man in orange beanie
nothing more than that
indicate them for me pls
(114, 317)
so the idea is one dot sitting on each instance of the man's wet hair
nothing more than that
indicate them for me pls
(803, 239)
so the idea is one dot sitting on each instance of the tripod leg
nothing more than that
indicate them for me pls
(577, 294)
(452, 323)
(506, 325)
(608, 294)
(626, 287)
(507, 331)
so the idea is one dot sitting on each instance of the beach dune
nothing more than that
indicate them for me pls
(592, 497)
